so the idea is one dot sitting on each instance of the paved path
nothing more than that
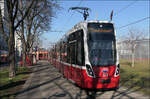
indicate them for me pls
(47, 83)
(3, 66)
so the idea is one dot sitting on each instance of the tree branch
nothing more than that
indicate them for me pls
(26, 13)
(16, 10)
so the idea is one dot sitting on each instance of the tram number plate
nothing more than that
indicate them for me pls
(105, 81)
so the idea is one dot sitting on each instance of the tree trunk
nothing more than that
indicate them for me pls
(24, 55)
(132, 59)
(11, 50)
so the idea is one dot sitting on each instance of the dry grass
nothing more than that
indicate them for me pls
(9, 87)
(137, 77)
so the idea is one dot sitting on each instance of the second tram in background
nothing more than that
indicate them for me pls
(88, 56)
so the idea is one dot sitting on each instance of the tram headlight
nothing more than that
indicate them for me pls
(117, 72)
(89, 70)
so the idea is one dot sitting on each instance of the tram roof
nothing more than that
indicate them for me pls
(80, 26)
(83, 23)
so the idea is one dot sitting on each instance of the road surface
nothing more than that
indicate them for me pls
(46, 82)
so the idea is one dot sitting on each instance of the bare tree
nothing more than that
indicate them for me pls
(36, 22)
(132, 39)
(12, 10)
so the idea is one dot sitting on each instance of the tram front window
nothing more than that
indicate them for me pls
(102, 48)
(101, 53)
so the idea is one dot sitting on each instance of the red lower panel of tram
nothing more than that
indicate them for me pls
(102, 80)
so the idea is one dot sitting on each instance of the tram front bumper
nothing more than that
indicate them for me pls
(97, 83)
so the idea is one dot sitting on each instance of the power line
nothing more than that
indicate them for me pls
(70, 17)
(134, 22)
(125, 7)
(73, 13)
(57, 31)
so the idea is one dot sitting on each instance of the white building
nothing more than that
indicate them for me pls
(2, 6)
(18, 45)
(141, 49)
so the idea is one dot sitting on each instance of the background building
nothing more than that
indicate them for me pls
(3, 43)
(18, 45)
(141, 50)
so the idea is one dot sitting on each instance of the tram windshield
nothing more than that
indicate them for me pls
(101, 44)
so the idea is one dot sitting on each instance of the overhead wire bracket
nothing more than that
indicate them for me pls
(82, 10)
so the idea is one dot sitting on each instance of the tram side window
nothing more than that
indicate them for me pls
(40, 55)
(58, 53)
(80, 48)
(79, 55)
(68, 53)
(73, 53)
(62, 52)
(65, 53)
(71, 49)
(53, 53)
(75, 48)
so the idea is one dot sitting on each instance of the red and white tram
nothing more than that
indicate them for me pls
(88, 56)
